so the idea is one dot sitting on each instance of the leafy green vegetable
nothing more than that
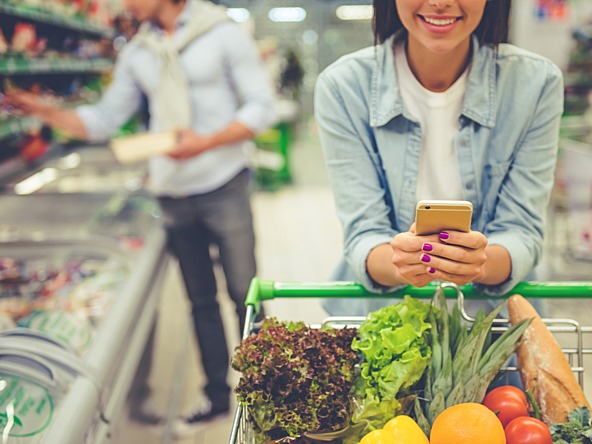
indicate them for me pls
(464, 361)
(579, 416)
(578, 429)
(295, 379)
(394, 345)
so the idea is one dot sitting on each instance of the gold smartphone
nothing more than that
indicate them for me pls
(433, 216)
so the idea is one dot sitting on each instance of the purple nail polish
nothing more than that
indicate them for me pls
(427, 247)
(425, 258)
(431, 270)
(444, 235)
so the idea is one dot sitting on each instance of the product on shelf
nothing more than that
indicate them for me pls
(60, 50)
(93, 11)
(24, 38)
(10, 271)
(578, 80)
(64, 299)
(34, 146)
(36, 140)
(3, 43)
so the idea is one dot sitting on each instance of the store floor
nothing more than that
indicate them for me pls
(299, 239)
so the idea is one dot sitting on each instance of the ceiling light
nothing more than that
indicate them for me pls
(287, 14)
(239, 15)
(355, 12)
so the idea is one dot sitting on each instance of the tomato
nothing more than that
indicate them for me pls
(509, 401)
(526, 430)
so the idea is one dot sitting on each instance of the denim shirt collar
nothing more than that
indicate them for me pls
(480, 97)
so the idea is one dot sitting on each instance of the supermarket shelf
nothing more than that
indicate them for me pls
(20, 124)
(41, 16)
(14, 167)
(10, 167)
(24, 66)
(17, 125)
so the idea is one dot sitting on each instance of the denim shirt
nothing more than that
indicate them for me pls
(506, 148)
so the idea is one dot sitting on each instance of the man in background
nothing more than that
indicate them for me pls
(202, 77)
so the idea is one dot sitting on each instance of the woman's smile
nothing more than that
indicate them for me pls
(440, 26)
(438, 23)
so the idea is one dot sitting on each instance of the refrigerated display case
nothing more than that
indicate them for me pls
(81, 268)
(569, 229)
(92, 169)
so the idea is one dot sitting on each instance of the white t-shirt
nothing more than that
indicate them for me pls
(438, 114)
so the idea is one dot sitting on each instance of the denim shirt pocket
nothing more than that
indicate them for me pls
(493, 178)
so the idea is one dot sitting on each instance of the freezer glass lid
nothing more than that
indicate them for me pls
(84, 171)
(63, 293)
(125, 217)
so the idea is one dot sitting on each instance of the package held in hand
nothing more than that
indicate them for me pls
(140, 147)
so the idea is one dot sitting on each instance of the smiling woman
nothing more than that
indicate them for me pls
(440, 108)
(439, 27)
(491, 27)
(439, 32)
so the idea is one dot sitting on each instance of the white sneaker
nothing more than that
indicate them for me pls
(146, 414)
(203, 413)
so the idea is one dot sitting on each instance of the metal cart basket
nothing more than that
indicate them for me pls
(263, 290)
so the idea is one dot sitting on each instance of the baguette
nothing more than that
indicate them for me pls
(544, 369)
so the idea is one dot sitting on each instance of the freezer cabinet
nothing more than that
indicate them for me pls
(93, 295)
(87, 169)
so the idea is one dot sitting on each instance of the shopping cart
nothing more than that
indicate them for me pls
(263, 290)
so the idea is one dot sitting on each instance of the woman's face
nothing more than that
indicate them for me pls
(440, 26)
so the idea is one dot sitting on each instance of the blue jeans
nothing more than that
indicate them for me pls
(222, 218)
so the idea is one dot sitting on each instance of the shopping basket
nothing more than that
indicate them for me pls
(263, 290)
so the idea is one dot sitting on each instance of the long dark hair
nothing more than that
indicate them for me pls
(492, 29)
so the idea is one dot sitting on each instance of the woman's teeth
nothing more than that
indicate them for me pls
(440, 22)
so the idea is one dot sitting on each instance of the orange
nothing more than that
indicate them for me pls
(467, 423)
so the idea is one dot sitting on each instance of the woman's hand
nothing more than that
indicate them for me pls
(450, 256)
(455, 257)
(407, 255)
